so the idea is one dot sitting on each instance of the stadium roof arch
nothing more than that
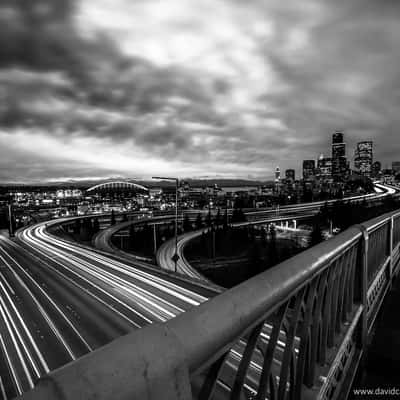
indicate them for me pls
(117, 185)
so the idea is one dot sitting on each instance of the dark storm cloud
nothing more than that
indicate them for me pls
(347, 78)
(39, 36)
(269, 84)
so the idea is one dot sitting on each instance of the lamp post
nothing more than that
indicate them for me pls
(175, 257)
(10, 219)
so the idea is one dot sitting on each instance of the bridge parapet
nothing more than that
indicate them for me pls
(298, 330)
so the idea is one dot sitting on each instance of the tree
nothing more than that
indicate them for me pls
(225, 222)
(238, 215)
(209, 218)
(132, 235)
(113, 220)
(316, 233)
(241, 215)
(389, 203)
(272, 232)
(255, 258)
(96, 225)
(77, 227)
(263, 235)
(147, 239)
(325, 214)
(272, 246)
(187, 225)
(87, 229)
(199, 221)
(218, 218)
(234, 217)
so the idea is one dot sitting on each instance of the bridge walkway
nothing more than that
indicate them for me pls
(381, 369)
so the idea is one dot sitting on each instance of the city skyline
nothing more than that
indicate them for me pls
(194, 90)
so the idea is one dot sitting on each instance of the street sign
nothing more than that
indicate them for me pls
(175, 258)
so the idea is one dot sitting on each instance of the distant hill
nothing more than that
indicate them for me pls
(83, 184)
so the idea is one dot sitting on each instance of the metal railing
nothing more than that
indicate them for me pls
(296, 331)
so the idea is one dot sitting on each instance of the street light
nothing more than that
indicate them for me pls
(10, 220)
(175, 257)
(10, 217)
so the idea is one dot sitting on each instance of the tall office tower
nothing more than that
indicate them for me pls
(337, 137)
(363, 158)
(308, 169)
(277, 174)
(396, 167)
(324, 167)
(376, 169)
(339, 162)
(290, 174)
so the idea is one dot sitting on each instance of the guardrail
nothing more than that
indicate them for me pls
(296, 331)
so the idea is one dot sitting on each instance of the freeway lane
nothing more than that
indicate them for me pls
(43, 326)
(104, 270)
(59, 301)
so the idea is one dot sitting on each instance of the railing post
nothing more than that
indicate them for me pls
(391, 237)
(364, 284)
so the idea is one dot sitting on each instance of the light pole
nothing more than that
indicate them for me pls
(10, 219)
(175, 257)
(227, 212)
(155, 239)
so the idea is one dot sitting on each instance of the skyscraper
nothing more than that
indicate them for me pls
(290, 174)
(324, 167)
(339, 162)
(277, 174)
(363, 158)
(376, 169)
(308, 169)
(396, 166)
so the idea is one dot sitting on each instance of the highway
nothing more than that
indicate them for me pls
(59, 301)
(264, 216)
(167, 250)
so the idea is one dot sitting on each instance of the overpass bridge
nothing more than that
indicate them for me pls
(299, 330)
(167, 250)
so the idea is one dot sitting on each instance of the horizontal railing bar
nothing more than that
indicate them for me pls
(350, 331)
(375, 223)
(244, 309)
(378, 276)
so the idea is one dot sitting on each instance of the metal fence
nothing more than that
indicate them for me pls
(296, 331)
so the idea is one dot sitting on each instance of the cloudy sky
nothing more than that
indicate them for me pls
(133, 88)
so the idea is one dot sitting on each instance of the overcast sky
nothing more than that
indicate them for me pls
(133, 88)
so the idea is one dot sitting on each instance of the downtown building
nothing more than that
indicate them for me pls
(290, 175)
(340, 165)
(324, 168)
(277, 175)
(396, 167)
(376, 169)
(308, 170)
(363, 158)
